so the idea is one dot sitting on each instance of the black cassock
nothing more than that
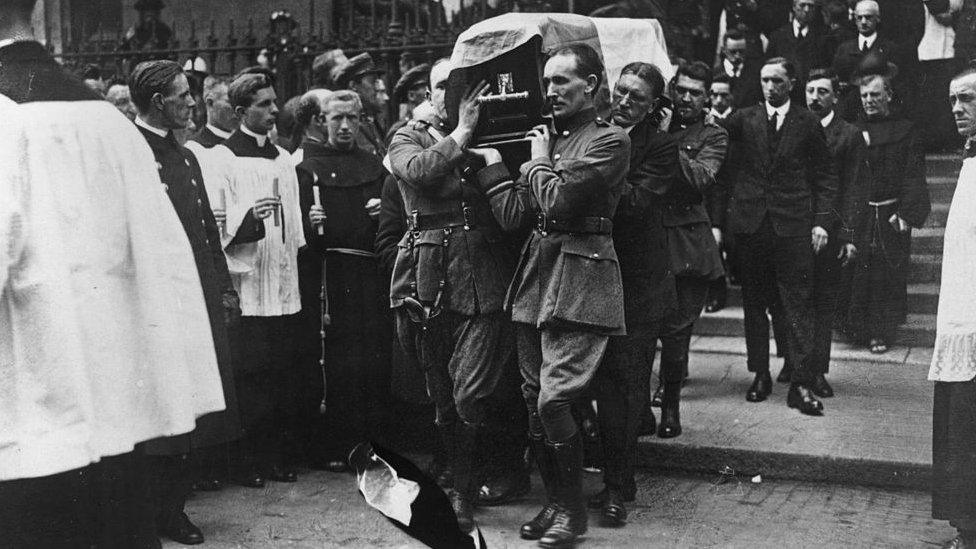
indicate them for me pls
(357, 342)
(895, 167)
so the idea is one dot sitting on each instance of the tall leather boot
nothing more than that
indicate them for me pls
(570, 520)
(468, 452)
(544, 459)
(670, 426)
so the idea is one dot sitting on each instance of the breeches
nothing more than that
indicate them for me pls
(557, 367)
(678, 325)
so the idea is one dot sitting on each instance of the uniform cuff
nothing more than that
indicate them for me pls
(494, 179)
(531, 166)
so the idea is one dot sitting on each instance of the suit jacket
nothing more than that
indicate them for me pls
(849, 54)
(795, 184)
(746, 89)
(638, 229)
(847, 148)
(564, 279)
(806, 53)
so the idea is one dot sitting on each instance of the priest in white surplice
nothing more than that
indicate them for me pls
(255, 183)
(954, 358)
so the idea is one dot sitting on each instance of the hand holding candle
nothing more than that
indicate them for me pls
(220, 212)
(317, 214)
(277, 196)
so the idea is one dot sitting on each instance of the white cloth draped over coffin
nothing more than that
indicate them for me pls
(620, 41)
(954, 356)
(265, 273)
(104, 337)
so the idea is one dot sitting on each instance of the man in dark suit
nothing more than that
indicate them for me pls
(742, 71)
(802, 42)
(784, 187)
(850, 54)
(847, 148)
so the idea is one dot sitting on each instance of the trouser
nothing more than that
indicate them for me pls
(954, 453)
(827, 280)
(621, 388)
(557, 366)
(678, 325)
(104, 505)
(777, 266)
(271, 392)
(463, 358)
(171, 485)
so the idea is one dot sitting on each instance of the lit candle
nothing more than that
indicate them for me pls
(277, 210)
(318, 202)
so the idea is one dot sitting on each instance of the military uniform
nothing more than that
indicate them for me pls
(449, 277)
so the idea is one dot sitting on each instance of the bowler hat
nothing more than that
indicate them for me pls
(410, 80)
(361, 65)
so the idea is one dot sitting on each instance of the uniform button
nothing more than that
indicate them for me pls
(557, 156)
(565, 133)
(194, 181)
(596, 255)
(187, 162)
(199, 202)
(333, 175)
(463, 180)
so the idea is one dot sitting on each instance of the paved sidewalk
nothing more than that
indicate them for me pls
(324, 510)
(876, 430)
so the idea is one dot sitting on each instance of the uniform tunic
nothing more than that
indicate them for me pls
(895, 174)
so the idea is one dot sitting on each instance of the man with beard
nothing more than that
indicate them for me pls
(847, 149)
(162, 95)
(566, 297)
(361, 75)
(898, 200)
(621, 382)
(449, 282)
(784, 188)
(96, 356)
(341, 230)
(694, 255)
(256, 180)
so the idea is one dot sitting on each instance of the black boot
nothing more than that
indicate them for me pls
(570, 520)
(670, 426)
(439, 468)
(466, 466)
(535, 528)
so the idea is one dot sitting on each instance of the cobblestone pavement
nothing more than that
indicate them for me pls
(325, 510)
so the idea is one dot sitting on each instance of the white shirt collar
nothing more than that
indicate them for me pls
(218, 132)
(730, 68)
(721, 115)
(796, 29)
(825, 121)
(158, 131)
(869, 40)
(781, 110)
(261, 139)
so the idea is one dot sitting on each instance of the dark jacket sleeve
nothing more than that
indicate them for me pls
(512, 203)
(251, 230)
(418, 164)
(822, 174)
(852, 173)
(702, 169)
(652, 178)
(392, 224)
(914, 203)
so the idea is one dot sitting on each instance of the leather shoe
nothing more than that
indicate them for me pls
(785, 375)
(658, 396)
(503, 489)
(760, 388)
(614, 512)
(820, 387)
(282, 474)
(801, 398)
(181, 530)
(959, 542)
(714, 306)
(251, 480)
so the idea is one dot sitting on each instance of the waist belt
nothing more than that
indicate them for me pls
(417, 221)
(582, 225)
(883, 203)
(350, 251)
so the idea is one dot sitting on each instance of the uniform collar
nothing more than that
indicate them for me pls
(575, 122)
(150, 128)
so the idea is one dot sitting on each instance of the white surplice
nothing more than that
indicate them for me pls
(954, 357)
(104, 336)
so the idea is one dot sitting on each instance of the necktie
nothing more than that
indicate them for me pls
(864, 46)
(772, 123)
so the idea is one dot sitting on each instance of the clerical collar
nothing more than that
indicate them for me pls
(798, 30)
(780, 110)
(868, 41)
(261, 139)
(218, 132)
(825, 121)
(150, 128)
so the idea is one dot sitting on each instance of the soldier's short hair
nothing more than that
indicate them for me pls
(241, 91)
(696, 70)
(787, 65)
(647, 72)
(825, 74)
(587, 60)
(150, 78)
(344, 96)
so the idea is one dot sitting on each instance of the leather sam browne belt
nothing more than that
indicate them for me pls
(417, 221)
(579, 225)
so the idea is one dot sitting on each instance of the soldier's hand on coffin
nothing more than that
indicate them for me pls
(539, 140)
(373, 207)
(488, 155)
(818, 238)
(265, 207)
(469, 110)
(898, 223)
(316, 215)
(847, 254)
(220, 216)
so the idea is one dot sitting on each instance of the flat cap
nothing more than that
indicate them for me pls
(360, 65)
(410, 80)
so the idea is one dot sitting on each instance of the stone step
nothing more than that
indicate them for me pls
(941, 189)
(918, 330)
(925, 268)
(923, 297)
(938, 216)
(943, 164)
(928, 240)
